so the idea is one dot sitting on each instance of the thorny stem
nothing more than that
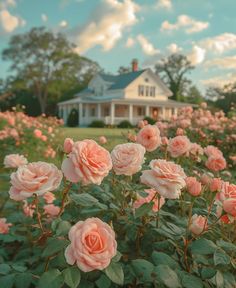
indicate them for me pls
(64, 195)
(38, 213)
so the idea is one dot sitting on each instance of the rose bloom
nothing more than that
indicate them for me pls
(229, 206)
(28, 209)
(34, 178)
(38, 133)
(164, 141)
(88, 162)
(149, 137)
(44, 138)
(179, 146)
(227, 191)
(206, 178)
(212, 151)
(179, 132)
(14, 161)
(102, 140)
(194, 187)
(216, 163)
(198, 224)
(215, 184)
(141, 124)
(4, 227)
(166, 177)
(127, 159)
(150, 197)
(93, 245)
(68, 144)
(51, 210)
(49, 197)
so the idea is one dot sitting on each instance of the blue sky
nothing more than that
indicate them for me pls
(113, 32)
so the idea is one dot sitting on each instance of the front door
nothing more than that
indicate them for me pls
(155, 113)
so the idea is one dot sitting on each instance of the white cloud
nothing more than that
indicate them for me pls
(174, 48)
(130, 42)
(7, 3)
(220, 43)
(106, 25)
(228, 62)
(147, 47)
(44, 18)
(164, 4)
(220, 81)
(189, 25)
(197, 55)
(10, 22)
(63, 24)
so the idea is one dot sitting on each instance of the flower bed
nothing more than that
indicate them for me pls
(158, 211)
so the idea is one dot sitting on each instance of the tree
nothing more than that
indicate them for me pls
(194, 95)
(173, 70)
(123, 69)
(46, 64)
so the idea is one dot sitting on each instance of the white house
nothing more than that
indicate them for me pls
(129, 96)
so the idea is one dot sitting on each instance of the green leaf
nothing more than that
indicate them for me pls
(19, 268)
(143, 269)
(63, 228)
(7, 281)
(117, 257)
(84, 199)
(51, 279)
(221, 258)
(203, 246)
(190, 281)
(23, 280)
(143, 210)
(4, 269)
(219, 280)
(115, 273)
(54, 246)
(72, 276)
(227, 246)
(207, 272)
(163, 258)
(167, 276)
(103, 282)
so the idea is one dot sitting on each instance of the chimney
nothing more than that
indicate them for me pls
(134, 65)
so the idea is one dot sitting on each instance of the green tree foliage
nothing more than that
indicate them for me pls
(194, 95)
(45, 64)
(173, 70)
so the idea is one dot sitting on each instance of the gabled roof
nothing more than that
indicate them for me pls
(120, 81)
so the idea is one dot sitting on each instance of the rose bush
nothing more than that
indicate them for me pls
(157, 211)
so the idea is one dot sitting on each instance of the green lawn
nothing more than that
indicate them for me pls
(113, 135)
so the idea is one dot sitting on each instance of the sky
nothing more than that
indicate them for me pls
(113, 32)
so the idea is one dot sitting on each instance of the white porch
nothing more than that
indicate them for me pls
(112, 113)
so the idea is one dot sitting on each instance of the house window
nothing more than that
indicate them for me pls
(152, 91)
(84, 111)
(140, 90)
(92, 112)
(141, 111)
(106, 111)
(147, 91)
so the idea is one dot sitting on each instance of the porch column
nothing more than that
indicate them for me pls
(131, 113)
(112, 112)
(147, 111)
(164, 113)
(176, 111)
(99, 110)
(80, 114)
(64, 114)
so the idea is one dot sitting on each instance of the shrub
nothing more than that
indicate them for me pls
(73, 118)
(97, 124)
(125, 124)
(150, 120)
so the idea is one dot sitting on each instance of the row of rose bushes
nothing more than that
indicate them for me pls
(159, 211)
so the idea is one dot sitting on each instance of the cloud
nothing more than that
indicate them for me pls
(7, 3)
(174, 48)
(44, 18)
(220, 43)
(189, 25)
(197, 55)
(147, 47)
(63, 24)
(164, 4)
(10, 22)
(220, 81)
(228, 62)
(130, 42)
(106, 25)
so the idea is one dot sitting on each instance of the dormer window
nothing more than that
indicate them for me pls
(146, 80)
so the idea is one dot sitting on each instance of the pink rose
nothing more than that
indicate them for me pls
(166, 177)
(102, 140)
(93, 245)
(34, 178)
(88, 162)
(68, 144)
(179, 146)
(14, 161)
(229, 206)
(4, 227)
(198, 224)
(127, 159)
(216, 163)
(51, 210)
(141, 124)
(179, 132)
(28, 209)
(215, 184)
(227, 191)
(150, 197)
(206, 179)
(212, 151)
(164, 141)
(203, 105)
(149, 137)
(44, 138)
(38, 133)
(49, 197)
(193, 186)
